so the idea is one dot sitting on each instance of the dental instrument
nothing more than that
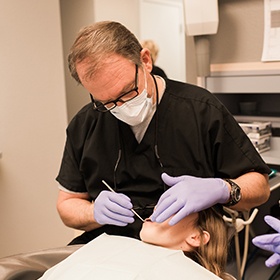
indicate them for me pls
(133, 211)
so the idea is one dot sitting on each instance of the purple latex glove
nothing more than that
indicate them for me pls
(113, 209)
(187, 195)
(270, 242)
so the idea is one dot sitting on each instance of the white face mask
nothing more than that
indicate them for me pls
(135, 111)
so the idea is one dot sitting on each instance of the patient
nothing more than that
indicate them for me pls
(201, 236)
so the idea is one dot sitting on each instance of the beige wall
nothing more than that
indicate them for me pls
(74, 15)
(32, 125)
(240, 32)
(124, 11)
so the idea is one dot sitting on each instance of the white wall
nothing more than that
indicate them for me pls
(32, 125)
(124, 11)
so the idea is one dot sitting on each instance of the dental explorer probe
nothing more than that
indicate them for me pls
(133, 211)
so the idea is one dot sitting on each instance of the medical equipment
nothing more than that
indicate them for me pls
(133, 211)
(201, 20)
(202, 17)
(239, 224)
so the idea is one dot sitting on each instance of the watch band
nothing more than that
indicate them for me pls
(235, 193)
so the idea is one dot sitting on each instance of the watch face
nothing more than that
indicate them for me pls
(237, 194)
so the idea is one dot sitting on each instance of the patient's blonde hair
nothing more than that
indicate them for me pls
(213, 255)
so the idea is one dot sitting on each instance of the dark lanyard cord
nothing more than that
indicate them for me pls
(156, 139)
(156, 124)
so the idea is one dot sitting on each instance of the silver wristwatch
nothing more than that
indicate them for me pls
(235, 193)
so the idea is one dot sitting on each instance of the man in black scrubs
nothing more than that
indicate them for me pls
(155, 141)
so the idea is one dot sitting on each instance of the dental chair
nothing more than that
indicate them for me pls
(31, 266)
(237, 222)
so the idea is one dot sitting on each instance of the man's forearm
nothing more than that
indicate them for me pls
(255, 190)
(76, 212)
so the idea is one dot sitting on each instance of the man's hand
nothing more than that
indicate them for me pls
(113, 209)
(187, 195)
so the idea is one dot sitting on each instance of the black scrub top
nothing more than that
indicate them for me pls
(195, 135)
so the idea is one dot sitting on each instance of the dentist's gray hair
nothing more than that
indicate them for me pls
(100, 40)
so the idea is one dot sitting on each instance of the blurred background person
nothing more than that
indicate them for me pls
(154, 50)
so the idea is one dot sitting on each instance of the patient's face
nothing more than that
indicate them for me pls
(162, 234)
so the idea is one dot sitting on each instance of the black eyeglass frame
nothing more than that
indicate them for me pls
(101, 107)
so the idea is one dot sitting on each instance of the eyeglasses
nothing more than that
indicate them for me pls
(105, 107)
